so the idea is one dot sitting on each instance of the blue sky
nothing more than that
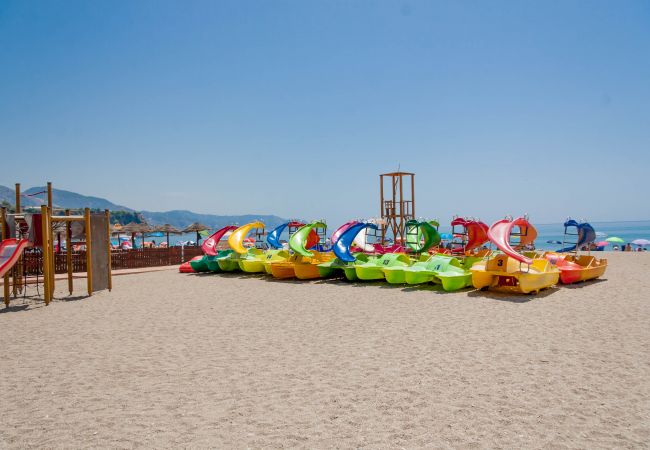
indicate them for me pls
(295, 107)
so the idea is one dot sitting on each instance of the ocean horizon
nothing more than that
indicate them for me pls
(626, 230)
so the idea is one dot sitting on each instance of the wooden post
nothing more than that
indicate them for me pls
(17, 198)
(49, 195)
(50, 234)
(110, 270)
(5, 235)
(89, 260)
(46, 254)
(68, 252)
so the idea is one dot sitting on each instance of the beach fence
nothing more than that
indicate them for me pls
(120, 259)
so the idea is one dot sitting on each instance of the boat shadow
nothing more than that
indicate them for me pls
(513, 298)
(584, 284)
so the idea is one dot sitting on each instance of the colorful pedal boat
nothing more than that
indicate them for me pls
(574, 269)
(301, 267)
(230, 262)
(306, 268)
(448, 271)
(373, 269)
(506, 274)
(186, 267)
(280, 256)
(199, 264)
(212, 263)
(252, 261)
(259, 261)
(337, 268)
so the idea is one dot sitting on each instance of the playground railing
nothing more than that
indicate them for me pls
(120, 259)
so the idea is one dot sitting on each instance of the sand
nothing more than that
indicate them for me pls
(171, 360)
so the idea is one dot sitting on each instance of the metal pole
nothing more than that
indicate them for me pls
(413, 195)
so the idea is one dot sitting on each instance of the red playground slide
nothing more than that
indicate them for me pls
(209, 246)
(10, 251)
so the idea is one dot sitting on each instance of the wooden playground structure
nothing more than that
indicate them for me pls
(397, 203)
(43, 231)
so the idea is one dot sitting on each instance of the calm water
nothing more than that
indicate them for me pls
(628, 231)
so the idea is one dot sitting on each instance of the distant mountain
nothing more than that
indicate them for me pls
(67, 199)
(181, 219)
(177, 218)
(9, 195)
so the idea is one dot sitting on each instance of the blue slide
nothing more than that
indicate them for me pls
(344, 242)
(273, 238)
(586, 235)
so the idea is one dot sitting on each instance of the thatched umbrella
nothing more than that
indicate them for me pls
(196, 227)
(145, 228)
(131, 228)
(167, 229)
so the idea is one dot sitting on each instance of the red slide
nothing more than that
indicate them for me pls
(209, 246)
(10, 251)
(476, 234)
(499, 234)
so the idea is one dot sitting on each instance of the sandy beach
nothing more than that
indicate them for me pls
(175, 360)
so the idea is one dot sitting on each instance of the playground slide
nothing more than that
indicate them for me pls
(10, 251)
(209, 246)
(237, 237)
(300, 241)
(586, 235)
(343, 243)
(499, 234)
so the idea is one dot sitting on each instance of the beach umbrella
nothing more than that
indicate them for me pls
(641, 242)
(144, 228)
(168, 229)
(602, 244)
(131, 228)
(615, 239)
(196, 227)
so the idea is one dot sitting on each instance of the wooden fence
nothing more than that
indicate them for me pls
(120, 259)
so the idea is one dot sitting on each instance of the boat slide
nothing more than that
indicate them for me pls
(209, 246)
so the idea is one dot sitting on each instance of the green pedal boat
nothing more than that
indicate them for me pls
(447, 271)
(373, 269)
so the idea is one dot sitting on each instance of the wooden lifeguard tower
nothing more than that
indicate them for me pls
(397, 191)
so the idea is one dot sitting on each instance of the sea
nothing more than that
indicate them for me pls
(628, 231)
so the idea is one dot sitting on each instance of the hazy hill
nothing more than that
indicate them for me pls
(177, 218)
(181, 219)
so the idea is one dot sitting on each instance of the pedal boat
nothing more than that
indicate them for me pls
(306, 268)
(512, 271)
(374, 268)
(448, 271)
(337, 267)
(574, 269)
